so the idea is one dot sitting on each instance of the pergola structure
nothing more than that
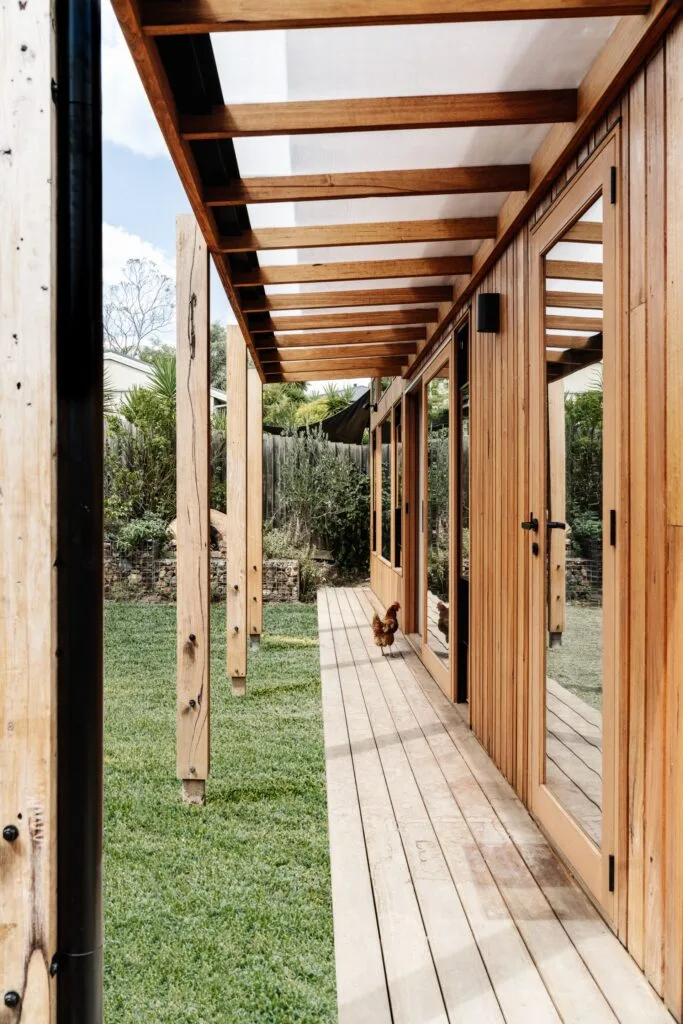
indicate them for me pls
(412, 234)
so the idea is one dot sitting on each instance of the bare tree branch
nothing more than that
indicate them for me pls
(138, 309)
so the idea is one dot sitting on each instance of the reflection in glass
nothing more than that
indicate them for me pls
(398, 484)
(437, 525)
(465, 482)
(574, 421)
(386, 490)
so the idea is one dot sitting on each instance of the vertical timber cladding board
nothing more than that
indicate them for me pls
(236, 491)
(193, 531)
(635, 215)
(28, 691)
(655, 689)
(254, 503)
(673, 807)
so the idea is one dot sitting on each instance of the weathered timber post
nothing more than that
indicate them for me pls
(28, 512)
(236, 507)
(194, 530)
(557, 486)
(254, 507)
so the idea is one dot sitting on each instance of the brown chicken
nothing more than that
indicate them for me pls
(443, 618)
(384, 629)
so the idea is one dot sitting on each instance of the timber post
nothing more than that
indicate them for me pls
(193, 530)
(254, 507)
(236, 507)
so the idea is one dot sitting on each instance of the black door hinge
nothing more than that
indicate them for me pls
(613, 527)
(610, 864)
(613, 185)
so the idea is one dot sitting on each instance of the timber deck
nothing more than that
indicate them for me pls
(449, 904)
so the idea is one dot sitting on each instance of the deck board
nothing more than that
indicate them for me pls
(474, 916)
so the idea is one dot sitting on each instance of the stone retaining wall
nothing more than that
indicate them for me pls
(144, 577)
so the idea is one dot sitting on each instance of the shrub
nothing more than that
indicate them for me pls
(284, 543)
(137, 534)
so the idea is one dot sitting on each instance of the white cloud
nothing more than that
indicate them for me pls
(127, 118)
(119, 245)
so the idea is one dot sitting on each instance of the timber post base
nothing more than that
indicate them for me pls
(194, 791)
(239, 686)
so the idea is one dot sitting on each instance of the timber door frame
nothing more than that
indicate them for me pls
(445, 677)
(591, 864)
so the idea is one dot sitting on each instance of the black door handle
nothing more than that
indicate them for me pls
(531, 524)
(553, 524)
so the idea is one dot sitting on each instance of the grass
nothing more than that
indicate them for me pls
(220, 914)
(577, 664)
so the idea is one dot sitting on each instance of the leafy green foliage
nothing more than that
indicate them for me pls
(583, 425)
(290, 405)
(326, 500)
(217, 343)
(138, 534)
(284, 543)
(218, 914)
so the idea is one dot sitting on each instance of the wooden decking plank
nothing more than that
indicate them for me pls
(361, 981)
(590, 714)
(465, 984)
(623, 984)
(591, 733)
(413, 985)
(566, 734)
(583, 777)
(509, 963)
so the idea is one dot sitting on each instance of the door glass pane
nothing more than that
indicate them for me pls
(575, 514)
(437, 525)
(386, 488)
(398, 485)
(465, 482)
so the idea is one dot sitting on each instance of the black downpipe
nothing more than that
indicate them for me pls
(79, 502)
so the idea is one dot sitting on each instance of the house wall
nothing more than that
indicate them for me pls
(649, 117)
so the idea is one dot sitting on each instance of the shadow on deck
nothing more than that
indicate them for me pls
(449, 904)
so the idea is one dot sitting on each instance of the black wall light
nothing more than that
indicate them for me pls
(488, 313)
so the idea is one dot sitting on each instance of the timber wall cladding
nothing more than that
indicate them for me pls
(650, 918)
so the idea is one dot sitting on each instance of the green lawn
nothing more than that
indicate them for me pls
(223, 913)
(577, 664)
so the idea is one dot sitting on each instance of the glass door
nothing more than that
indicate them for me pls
(463, 560)
(572, 525)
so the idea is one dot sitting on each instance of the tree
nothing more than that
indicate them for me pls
(217, 342)
(281, 401)
(138, 308)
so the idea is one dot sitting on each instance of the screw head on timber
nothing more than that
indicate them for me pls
(235, 586)
(236, 629)
(192, 638)
(10, 833)
(193, 771)
(193, 703)
(12, 1000)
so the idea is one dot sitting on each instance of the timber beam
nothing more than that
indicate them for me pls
(392, 318)
(361, 337)
(305, 273)
(369, 184)
(184, 17)
(574, 300)
(364, 297)
(310, 117)
(462, 229)
(281, 354)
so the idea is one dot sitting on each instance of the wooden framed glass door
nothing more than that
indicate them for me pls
(572, 524)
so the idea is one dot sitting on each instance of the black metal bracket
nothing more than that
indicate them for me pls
(531, 523)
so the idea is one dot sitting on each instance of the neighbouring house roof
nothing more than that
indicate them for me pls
(139, 372)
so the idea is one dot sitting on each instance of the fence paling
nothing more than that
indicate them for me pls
(275, 449)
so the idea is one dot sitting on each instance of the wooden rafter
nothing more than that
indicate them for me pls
(348, 337)
(584, 231)
(402, 350)
(574, 341)
(574, 300)
(573, 323)
(362, 297)
(375, 366)
(302, 273)
(321, 323)
(310, 375)
(181, 17)
(460, 229)
(573, 270)
(309, 117)
(369, 184)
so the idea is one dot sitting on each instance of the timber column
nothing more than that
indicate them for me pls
(254, 507)
(194, 531)
(236, 507)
